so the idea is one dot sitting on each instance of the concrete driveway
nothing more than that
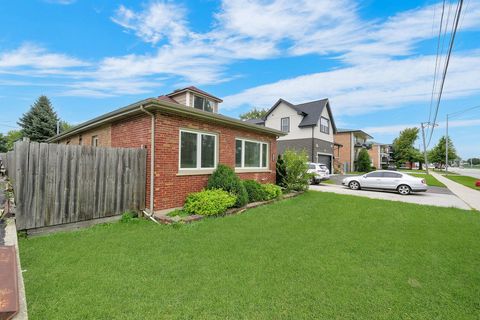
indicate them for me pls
(424, 198)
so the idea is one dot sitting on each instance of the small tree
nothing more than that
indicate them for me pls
(281, 171)
(255, 113)
(363, 161)
(403, 147)
(13, 136)
(296, 175)
(40, 122)
(3, 143)
(439, 152)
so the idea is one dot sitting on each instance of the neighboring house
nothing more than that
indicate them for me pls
(381, 154)
(308, 126)
(188, 138)
(352, 142)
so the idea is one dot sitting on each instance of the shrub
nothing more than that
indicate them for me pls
(271, 191)
(225, 178)
(255, 191)
(363, 161)
(128, 216)
(296, 176)
(209, 202)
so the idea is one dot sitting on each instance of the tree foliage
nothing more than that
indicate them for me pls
(40, 122)
(438, 153)
(3, 143)
(403, 147)
(11, 137)
(255, 113)
(363, 161)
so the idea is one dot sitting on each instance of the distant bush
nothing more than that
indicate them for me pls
(209, 202)
(255, 191)
(363, 161)
(271, 191)
(225, 178)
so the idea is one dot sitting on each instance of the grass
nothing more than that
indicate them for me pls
(431, 180)
(320, 255)
(328, 181)
(465, 180)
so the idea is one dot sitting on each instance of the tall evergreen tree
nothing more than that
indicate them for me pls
(40, 122)
(364, 163)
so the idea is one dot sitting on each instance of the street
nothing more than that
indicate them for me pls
(475, 173)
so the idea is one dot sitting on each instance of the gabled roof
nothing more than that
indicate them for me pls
(256, 121)
(162, 105)
(311, 111)
(194, 89)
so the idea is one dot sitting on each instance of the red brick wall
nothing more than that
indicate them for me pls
(171, 189)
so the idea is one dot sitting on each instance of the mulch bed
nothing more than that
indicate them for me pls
(164, 219)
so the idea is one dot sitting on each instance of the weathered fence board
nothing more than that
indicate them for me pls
(58, 184)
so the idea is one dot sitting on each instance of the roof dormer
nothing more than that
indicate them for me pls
(196, 98)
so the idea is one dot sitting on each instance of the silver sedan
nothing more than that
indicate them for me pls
(386, 180)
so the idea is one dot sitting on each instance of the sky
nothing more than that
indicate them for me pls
(374, 60)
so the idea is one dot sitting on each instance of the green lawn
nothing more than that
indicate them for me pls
(319, 255)
(466, 181)
(431, 181)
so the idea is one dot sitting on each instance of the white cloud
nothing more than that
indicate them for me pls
(62, 2)
(29, 55)
(368, 87)
(158, 21)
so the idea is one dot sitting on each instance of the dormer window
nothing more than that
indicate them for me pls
(202, 103)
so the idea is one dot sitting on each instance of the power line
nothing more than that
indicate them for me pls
(447, 62)
(456, 113)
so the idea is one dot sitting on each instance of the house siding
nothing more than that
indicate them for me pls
(319, 146)
(103, 133)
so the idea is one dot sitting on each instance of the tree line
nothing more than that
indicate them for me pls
(39, 123)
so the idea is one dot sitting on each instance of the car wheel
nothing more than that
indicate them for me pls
(354, 185)
(404, 190)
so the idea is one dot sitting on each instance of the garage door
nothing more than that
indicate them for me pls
(326, 160)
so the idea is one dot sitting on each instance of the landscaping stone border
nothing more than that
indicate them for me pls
(164, 219)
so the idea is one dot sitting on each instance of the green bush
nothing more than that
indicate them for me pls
(255, 191)
(296, 177)
(128, 216)
(271, 191)
(281, 172)
(363, 161)
(209, 202)
(225, 178)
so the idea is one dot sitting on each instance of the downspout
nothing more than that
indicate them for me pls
(313, 143)
(152, 163)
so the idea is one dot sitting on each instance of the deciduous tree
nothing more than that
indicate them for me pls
(403, 147)
(255, 113)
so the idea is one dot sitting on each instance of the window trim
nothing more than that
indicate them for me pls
(262, 143)
(198, 169)
(288, 124)
(321, 126)
(94, 141)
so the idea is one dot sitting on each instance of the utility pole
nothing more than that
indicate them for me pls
(446, 149)
(58, 126)
(425, 125)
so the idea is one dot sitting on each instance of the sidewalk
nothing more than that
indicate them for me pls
(470, 196)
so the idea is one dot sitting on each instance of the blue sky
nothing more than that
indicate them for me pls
(374, 60)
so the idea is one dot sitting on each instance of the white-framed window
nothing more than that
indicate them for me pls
(198, 150)
(202, 103)
(251, 154)
(94, 141)
(324, 125)
(285, 124)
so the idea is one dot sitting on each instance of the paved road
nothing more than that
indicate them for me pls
(431, 189)
(475, 173)
(424, 198)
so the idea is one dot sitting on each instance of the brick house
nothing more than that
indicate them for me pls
(188, 138)
(352, 141)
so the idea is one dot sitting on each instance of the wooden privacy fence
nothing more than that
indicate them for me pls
(58, 184)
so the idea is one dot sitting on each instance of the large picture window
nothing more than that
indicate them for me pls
(251, 154)
(197, 150)
(324, 125)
